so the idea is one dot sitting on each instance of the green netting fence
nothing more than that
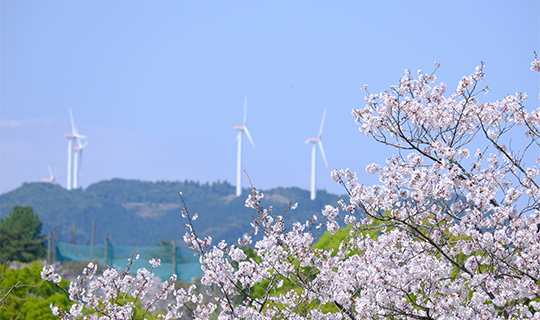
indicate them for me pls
(186, 264)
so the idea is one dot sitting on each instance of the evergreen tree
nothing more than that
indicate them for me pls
(20, 238)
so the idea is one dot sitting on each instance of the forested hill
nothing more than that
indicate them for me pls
(134, 212)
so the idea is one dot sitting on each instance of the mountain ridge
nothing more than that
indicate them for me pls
(135, 212)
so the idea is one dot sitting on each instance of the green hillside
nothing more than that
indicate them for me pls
(134, 212)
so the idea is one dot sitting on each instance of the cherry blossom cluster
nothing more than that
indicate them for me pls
(112, 295)
(451, 232)
(459, 235)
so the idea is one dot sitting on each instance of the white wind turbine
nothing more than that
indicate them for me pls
(315, 142)
(75, 153)
(243, 128)
(51, 175)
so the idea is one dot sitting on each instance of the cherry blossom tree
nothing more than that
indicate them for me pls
(452, 231)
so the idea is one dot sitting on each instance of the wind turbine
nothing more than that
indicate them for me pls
(315, 142)
(243, 128)
(74, 153)
(51, 175)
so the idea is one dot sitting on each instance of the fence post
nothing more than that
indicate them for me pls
(106, 251)
(49, 248)
(74, 240)
(93, 234)
(54, 239)
(93, 231)
(174, 255)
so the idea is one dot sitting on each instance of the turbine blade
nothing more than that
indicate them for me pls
(322, 123)
(245, 109)
(73, 128)
(50, 172)
(323, 155)
(84, 145)
(249, 137)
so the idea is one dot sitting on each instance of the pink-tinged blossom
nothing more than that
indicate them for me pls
(254, 199)
(373, 168)
(48, 274)
(55, 310)
(330, 212)
(237, 254)
(535, 65)
(332, 226)
(76, 310)
(155, 263)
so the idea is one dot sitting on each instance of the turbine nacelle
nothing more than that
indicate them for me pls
(312, 140)
(51, 175)
(81, 146)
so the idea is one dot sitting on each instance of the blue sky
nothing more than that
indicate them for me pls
(158, 86)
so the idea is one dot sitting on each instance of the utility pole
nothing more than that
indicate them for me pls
(174, 255)
(74, 239)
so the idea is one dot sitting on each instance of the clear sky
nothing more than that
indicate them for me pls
(159, 85)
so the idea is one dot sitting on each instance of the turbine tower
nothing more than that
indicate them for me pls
(74, 154)
(70, 138)
(243, 128)
(51, 175)
(315, 142)
(78, 152)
